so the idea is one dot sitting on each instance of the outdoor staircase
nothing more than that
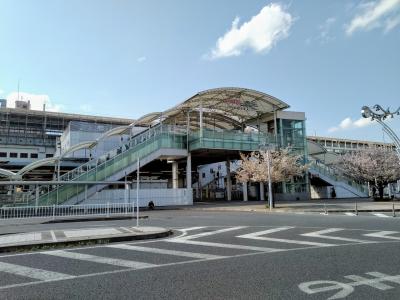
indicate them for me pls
(114, 165)
(332, 176)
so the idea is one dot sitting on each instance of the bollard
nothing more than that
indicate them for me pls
(394, 211)
(325, 211)
(54, 211)
(356, 209)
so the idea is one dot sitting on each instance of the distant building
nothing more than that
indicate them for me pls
(27, 135)
(339, 145)
(3, 103)
(23, 104)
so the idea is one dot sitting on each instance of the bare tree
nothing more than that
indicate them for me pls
(284, 165)
(377, 166)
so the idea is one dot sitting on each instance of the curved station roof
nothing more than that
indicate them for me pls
(225, 108)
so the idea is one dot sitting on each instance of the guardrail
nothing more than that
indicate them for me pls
(65, 211)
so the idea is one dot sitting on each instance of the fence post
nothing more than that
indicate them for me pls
(54, 211)
(108, 209)
(325, 211)
(394, 211)
(356, 209)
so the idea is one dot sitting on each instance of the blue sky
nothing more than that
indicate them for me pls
(127, 58)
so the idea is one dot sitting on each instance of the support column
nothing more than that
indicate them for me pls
(262, 191)
(245, 196)
(228, 180)
(189, 171)
(174, 175)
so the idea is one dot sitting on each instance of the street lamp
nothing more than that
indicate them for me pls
(267, 149)
(379, 114)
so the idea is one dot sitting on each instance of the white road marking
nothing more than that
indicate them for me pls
(221, 245)
(350, 214)
(98, 259)
(380, 215)
(192, 228)
(384, 235)
(53, 236)
(32, 272)
(345, 289)
(165, 251)
(320, 234)
(203, 234)
(258, 236)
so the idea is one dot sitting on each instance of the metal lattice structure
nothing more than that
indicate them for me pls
(380, 114)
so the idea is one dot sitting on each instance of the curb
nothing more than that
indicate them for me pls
(72, 220)
(80, 242)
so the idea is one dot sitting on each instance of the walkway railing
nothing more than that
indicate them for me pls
(335, 175)
(230, 140)
(162, 136)
(66, 211)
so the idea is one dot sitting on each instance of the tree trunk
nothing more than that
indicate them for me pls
(380, 190)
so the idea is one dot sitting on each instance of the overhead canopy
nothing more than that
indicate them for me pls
(37, 164)
(6, 173)
(222, 108)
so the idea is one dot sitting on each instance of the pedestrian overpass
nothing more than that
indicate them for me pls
(212, 126)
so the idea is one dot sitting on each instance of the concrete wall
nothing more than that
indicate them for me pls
(160, 197)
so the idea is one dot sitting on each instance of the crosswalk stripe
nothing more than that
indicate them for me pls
(384, 235)
(320, 234)
(222, 245)
(350, 214)
(192, 228)
(203, 234)
(34, 273)
(166, 251)
(380, 215)
(258, 236)
(100, 259)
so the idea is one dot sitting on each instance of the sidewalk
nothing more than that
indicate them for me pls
(69, 237)
(330, 205)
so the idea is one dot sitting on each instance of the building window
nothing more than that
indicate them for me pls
(3, 154)
(48, 155)
(13, 154)
(23, 155)
(34, 155)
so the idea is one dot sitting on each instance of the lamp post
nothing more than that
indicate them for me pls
(379, 114)
(267, 149)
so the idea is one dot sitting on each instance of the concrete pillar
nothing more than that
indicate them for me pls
(174, 175)
(262, 191)
(189, 171)
(245, 195)
(228, 181)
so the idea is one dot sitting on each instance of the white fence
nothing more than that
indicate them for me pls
(64, 211)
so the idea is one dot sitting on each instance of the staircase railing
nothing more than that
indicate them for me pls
(100, 169)
(337, 176)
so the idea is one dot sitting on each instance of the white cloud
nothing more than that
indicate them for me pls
(141, 59)
(348, 123)
(391, 23)
(36, 101)
(324, 32)
(375, 14)
(260, 34)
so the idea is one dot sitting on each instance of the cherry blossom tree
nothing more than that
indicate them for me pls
(377, 166)
(283, 163)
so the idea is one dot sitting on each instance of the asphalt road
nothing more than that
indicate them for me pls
(220, 255)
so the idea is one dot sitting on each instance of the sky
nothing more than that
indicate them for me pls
(126, 58)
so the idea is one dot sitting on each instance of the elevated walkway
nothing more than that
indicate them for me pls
(159, 142)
